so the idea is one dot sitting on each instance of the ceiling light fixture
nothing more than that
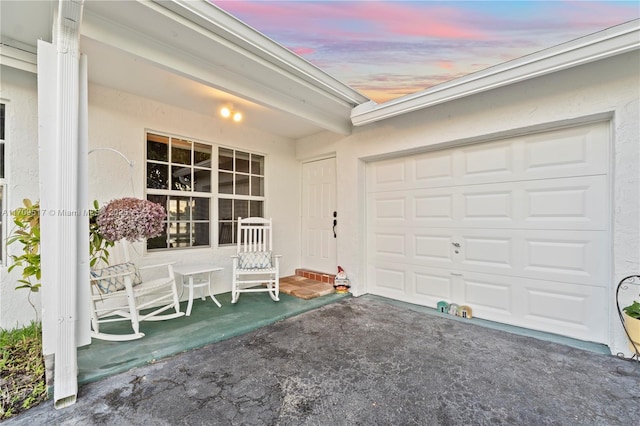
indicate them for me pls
(227, 112)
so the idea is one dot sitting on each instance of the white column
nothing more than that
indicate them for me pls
(60, 125)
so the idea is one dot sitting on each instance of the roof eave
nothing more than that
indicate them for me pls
(218, 21)
(610, 42)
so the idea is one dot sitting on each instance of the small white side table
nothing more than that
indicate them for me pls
(190, 270)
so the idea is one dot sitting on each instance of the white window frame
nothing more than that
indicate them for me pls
(227, 223)
(174, 193)
(214, 195)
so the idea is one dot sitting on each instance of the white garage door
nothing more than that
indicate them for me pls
(517, 229)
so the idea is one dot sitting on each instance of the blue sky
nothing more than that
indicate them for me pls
(387, 49)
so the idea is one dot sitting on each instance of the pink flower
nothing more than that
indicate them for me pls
(132, 219)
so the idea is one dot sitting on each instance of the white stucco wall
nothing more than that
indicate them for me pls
(119, 120)
(608, 88)
(18, 92)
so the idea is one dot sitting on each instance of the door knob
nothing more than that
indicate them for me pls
(456, 245)
(335, 222)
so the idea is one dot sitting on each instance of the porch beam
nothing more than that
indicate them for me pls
(17, 58)
(221, 64)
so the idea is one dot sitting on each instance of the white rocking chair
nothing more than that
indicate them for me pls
(254, 262)
(119, 293)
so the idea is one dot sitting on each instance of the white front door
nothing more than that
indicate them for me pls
(318, 211)
(516, 228)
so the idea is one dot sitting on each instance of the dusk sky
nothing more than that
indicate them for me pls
(387, 49)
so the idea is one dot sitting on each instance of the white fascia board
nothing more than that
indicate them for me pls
(213, 74)
(613, 41)
(216, 20)
(17, 58)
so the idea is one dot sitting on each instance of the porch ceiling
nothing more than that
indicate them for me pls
(193, 55)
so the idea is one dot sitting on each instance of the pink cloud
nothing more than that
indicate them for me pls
(302, 51)
(356, 19)
(446, 65)
(409, 19)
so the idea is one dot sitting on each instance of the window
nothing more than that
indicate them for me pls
(4, 216)
(240, 190)
(179, 178)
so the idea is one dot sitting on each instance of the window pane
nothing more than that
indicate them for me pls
(1, 217)
(225, 183)
(240, 208)
(202, 155)
(181, 151)
(225, 211)
(181, 178)
(179, 208)
(158, 199)
(180, 234)
(242, 184)
(225, 233)
(257, 164)
(200, 208)
(157, 176)
(225, 159)
(202, 180)
(157, 147)
(242, 162)
(201, 234)
(2, 121)
(257, 186)
(1, 159)
(159, 242)
(256, 209)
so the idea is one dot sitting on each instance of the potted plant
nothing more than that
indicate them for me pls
(631, 316)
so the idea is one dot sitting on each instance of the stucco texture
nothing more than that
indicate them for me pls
(604, 90)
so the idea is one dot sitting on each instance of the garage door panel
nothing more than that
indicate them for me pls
(486, 204)
(415, 208)
(492, 161)
(488, 296)
(571, 203)
(566, 308)
(389, 175)
(433, 249)
(492, 253)
(390, 244)
(388, 280)
(390, 207)
(434, 169)
(557, 307)
(434, 207)
(569, 152)
(432, 286)
(572, 256)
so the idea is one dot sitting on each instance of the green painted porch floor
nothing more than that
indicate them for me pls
(206, 324)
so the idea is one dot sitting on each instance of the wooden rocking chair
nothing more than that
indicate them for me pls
(254, 262)
(119, 293)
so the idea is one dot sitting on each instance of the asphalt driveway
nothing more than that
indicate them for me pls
(363, 361)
